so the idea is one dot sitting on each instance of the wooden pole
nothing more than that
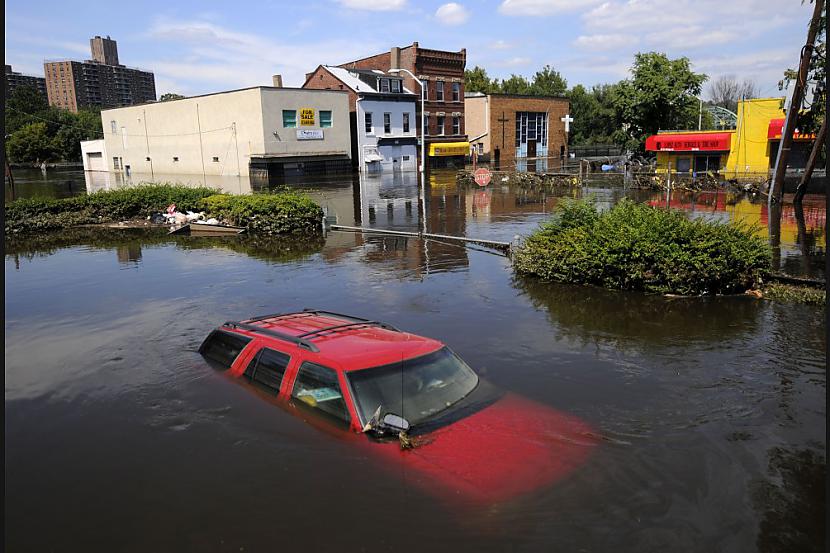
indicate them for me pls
(777, 187)
(811, 163)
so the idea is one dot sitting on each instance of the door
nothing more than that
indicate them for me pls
(531, 156)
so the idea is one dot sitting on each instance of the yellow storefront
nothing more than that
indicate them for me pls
(744, 153)
(448, 154)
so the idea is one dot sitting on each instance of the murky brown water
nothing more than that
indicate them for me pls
(711, 411)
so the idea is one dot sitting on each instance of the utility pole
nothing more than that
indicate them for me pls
(777, 186)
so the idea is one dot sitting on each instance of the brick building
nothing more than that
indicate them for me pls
(15, 80)
(100, 82)
(442, 74)
(517, 131)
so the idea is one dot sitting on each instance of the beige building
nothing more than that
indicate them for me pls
(259, 131)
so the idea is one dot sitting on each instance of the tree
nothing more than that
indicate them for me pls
(30, 143)
(166, 97)
(593, 113)
(726, 90)
(548, 82)
(661, 94)
(516, 84)
(24, 102)
(476, 80)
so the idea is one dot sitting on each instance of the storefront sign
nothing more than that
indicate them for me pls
(449, 149)
(306, 117)
(309, 134)
(689, 142)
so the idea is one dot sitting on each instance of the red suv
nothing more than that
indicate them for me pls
(407, 397)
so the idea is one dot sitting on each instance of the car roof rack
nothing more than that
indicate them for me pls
(302, 339)
(274, 334)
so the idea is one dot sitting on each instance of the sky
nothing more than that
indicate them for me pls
(202, 47)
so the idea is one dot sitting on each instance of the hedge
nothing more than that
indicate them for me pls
(637, 247)
(267, 213)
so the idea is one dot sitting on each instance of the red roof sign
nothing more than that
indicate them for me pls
(776, 126)
(690, 142)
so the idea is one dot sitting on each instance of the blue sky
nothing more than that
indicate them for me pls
(201, 47)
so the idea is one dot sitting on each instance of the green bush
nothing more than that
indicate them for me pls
(267, 213)
(637, 247)
(259, 213)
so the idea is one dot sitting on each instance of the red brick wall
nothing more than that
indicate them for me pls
(322, 79)
(556, 108)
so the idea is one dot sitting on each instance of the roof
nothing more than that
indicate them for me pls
(349, 77)
(349, 343)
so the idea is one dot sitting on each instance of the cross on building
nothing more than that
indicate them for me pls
(567, 120)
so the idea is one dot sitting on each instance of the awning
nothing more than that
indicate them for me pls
(776, 126)
(690, 142)
(438, 149)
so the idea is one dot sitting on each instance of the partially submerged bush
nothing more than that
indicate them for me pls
(795, 294)
(637, 247)
(267, 213)
(263, 213)
(100, 207)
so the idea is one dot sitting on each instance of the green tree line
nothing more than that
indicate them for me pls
(37, 132)
(660, 93)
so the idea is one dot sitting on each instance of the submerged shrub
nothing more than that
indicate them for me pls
(637, 247)
(266, 213)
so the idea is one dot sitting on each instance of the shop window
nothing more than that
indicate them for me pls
(684, 165)
(289, 118)
(317, 387)
(325, 119)
(705, 164)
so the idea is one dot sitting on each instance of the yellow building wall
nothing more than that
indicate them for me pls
(749, 154)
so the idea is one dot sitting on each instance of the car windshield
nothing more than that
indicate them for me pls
(415, 389)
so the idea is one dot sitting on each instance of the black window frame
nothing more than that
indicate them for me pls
(367, 122)
(246, 340)
(257, 366)
(439, 91)
(387, 123)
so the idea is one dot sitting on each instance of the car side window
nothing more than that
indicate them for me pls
(267, 369)
(222, 348)
(318, 387)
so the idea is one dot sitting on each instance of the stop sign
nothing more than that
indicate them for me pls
(482, 176)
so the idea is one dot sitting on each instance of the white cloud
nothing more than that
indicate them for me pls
(605, 42)
(542, 7)
(211, 57)
(374, 5)
(500, 45)
(512, 62)
(452, 14)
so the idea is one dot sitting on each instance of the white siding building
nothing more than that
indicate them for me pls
(260, 131)
(385, 128)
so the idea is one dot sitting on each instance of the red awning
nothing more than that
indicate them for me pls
(776, 126)
(690, 142)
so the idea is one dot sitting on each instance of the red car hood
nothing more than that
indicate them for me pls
(511, 447)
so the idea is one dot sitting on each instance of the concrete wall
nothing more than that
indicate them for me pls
(476, 120)
(336, 139)
(94, 155)
(234, 126)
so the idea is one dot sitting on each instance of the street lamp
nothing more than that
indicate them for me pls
(423, 117)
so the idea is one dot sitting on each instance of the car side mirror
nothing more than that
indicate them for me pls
(395, 422)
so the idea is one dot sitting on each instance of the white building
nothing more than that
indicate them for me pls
(384, 126)
(259, 131)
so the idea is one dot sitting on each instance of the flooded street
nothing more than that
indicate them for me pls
(709, 413)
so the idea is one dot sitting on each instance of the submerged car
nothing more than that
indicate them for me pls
(407, 397)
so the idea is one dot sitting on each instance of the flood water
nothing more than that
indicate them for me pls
(709, 413)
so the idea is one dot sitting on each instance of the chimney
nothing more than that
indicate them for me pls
(277, 80)
(395, 58)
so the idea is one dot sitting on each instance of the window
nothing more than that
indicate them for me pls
(406, 158)
(368, 118)
(439, 91)
(440, 124)
(406, 122)
(684, 164)
(175, 158)
(222, 348)
(116, 163)
(426, 124)
(289, 118)
(456, 92)
(387, 123)
(396, 85)
(480, 148)
(425, 88)
(113, 127)
(215, 159)
(267, 369)
(456, 125)
(707, 163)
(317, 387)
(384, 85)
(325, 118)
